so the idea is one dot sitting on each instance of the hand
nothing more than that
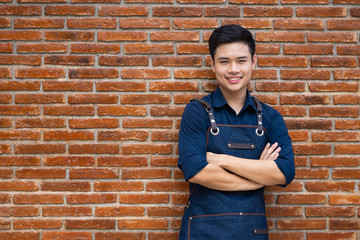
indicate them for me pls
(213, 158)
(270, 152)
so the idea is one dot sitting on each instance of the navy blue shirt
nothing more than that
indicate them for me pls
(195, 123)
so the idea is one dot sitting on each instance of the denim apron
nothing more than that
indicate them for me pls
(229, 215)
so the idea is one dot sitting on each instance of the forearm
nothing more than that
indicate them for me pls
(217, 178)
(264, 172)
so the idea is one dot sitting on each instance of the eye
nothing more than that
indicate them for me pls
(223, 61)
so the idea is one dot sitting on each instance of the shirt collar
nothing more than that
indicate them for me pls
(219, 100)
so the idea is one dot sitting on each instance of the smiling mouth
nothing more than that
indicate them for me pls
(234, 79)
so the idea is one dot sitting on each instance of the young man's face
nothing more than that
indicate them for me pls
(233, 65)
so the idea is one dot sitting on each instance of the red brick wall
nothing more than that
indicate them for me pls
(92, 93)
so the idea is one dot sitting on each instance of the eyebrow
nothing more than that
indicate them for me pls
(225, 58)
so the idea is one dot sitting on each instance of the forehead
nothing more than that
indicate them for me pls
(232, 50)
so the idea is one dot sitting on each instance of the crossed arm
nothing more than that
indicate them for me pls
(245, 174)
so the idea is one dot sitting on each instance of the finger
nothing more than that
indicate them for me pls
(262, 156)
(270, 151)
(275, 154)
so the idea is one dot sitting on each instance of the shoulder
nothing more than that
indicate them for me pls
(271, 115)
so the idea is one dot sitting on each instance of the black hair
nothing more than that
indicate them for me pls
(230, 34)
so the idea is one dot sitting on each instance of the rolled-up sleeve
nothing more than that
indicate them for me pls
(278, 133)
(192, 140)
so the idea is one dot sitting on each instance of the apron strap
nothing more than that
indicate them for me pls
(214, 129)
(260, 130)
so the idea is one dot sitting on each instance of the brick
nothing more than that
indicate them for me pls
(68, 135)
(280, 86)
(20, 35)
(335, 136)
(345, 224)
(38, 224)
(177, 61)
(94, 173)
(201, 1)
(146, 149)
(68, 36)
(122, 111)
(65, 186)
(124, 86)
(355, 12)
(318, 161)
(40, 123)
(123, 135)
(19, 110)
(93, 73)
(145, 173)
(18, 186)
(6, 47)
(294, 24)
(121, 36)
(90, 198)
(342, 24)
(20, 60)
(122, 161)
(39, 98)
(347, 149)
(308, 124)
(222, 11)
(312, 174)
(308, 49)
(286, 235)
(19, 161)
(303, 2)
(334, 112)
(119, 211)
(175, 36)
(69, 110)
(283, 211)
(5, 22)
(145, 99)
(279, 37)
(315, 149)
(69, 161)
(185, 98)
(118, 186)
(136, 48)
(344, 199)
(166, 111)
(90, 224)
(69, 60)
(67, 86)
(42, 1)
(304, 99)
(147, 123)
(38, 23)
(165, 211)
(6, 173)
(305, 74)
(92, 48)
(143, 198)
(168, 186)
(41, 48)
(93, 148)
(169, 11)
(331, 37)
(346, 174)
(93, 123)
(299, 135)
(40, 173)
(330, 186)
(267, 11)
(152, 224)
(145, 73)
(5, 122)
(322, 12)
(69, 10)
(66, 235)
(124, 61)
(192, 48)
(93, 98)
(120, 235)
(282, 61)
(301, 224)
(333, 62)
(194, 73)
(250, 23)
(40, 73)
(348, 50)
(330, 212)
(164, 135)
(333, 235)
(333, 87)
(346, 74)
(259, 2)
(20, 235)
(347, 124)
(91, 23)
(39, 148)
(163, 236)
(18, 10)
(144, 23)
(19, 211)
(123, 11)
(19, 135)
(38, 199)
(5, 73)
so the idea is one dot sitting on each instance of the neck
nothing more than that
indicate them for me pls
(235, 100)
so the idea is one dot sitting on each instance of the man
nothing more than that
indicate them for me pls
(230, 147)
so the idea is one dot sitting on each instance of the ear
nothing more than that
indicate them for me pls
(212, 63)
(254, 60)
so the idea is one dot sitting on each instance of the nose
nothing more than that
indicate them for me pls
(233, 68)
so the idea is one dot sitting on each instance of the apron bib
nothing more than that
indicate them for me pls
(231, 215)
